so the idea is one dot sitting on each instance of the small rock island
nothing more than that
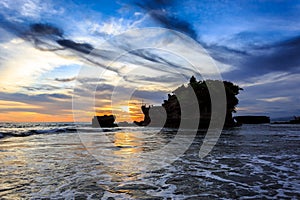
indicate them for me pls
(296, 120)
(249, 119)
(169, 113)
(104, 121)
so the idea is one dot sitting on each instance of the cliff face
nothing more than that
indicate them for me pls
(181, 100)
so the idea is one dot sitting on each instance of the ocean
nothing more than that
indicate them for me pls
(75, 161)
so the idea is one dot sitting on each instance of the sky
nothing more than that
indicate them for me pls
(72, 59)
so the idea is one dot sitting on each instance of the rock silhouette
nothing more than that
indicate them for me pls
(252, 119)
(296, 120)
(170, 114)
(103, 121)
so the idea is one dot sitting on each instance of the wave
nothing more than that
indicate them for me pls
(24, 133)
(28, 129)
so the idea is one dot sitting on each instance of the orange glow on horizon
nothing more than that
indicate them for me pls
(34, 117)
(38, 117)
(124, 112)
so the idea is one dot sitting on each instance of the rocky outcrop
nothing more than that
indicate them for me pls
(169, 113)
(296, 120)
(252, 119)
(103, 121)
(147, 119)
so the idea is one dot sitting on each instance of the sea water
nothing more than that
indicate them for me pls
(51, 161)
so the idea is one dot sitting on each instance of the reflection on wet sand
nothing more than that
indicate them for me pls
(128, 148)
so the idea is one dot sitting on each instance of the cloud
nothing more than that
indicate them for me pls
(271, 96)
(112, 27)
(159, 11)
(22, 10)
(79, 47)
(275, 99)
(46, 29)
(22, 66)
(59, 96)
(48, 37)
(151, 97)
(40, 88)
(46, 103)
(45, 36)
(8, 105)
(65, 79)
(268, 78)
(282, 56)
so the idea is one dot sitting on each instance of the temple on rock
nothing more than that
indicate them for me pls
(169, 113)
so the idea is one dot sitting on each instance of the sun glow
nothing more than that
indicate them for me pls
(129, 111)
(125, 108)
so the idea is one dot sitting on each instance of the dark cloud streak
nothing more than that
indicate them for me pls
(259, 60)
(65, 79)
(80, 47)
(46, 29)
(157, 9)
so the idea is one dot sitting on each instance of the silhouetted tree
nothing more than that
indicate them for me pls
(200, 89)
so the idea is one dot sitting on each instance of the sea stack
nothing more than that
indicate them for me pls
(170, 114)
(104, 121)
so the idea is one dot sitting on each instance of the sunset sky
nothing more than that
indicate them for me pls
(54, 51)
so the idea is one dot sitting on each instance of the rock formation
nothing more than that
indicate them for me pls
(252, 119)
(170, 114)
(103, 121)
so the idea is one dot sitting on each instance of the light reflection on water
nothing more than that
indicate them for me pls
(251, 161)
(128, 143)
(127, 146)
